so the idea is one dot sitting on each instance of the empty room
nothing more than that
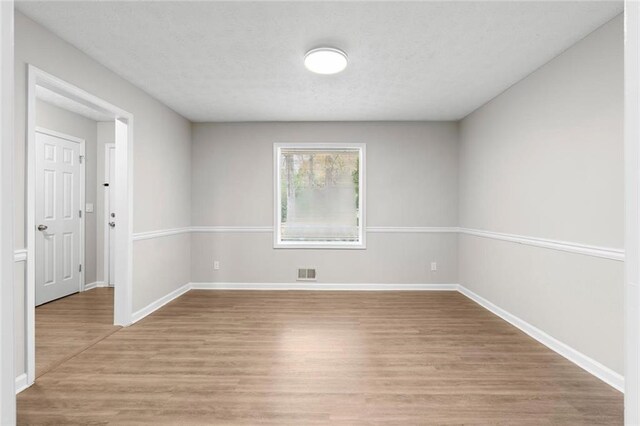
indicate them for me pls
(318, 212)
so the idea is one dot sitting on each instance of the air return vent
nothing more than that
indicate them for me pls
(306, 274)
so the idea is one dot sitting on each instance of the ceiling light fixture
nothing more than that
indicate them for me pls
(325, 60)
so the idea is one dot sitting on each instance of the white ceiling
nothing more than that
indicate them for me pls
(243, 61)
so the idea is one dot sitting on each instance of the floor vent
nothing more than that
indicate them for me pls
(306, 274)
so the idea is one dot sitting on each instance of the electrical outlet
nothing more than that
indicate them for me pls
(216, 265)
(434, 266)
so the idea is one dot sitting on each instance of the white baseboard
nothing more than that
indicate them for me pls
(324, 286)
(154, 306)
(95, 284)
(21, 383)
(592, 366)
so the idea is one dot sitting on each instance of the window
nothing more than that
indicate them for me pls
(319, 195)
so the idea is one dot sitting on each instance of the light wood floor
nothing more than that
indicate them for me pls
(67, 326)
(223, 357)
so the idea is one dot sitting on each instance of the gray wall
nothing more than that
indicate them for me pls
(162, 160)
(54, 118)
(411, 182)
(545, 159)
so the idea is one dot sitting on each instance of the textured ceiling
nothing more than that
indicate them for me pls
(243, 61)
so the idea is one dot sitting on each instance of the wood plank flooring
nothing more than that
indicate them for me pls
(67, 326)
(305, 358)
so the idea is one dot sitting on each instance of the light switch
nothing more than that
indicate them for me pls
(89, 208)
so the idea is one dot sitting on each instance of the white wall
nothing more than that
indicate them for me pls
(162, 159)
(411, 182)
(545, 159)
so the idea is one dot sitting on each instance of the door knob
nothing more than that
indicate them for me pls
(42, 227)
(112, 224)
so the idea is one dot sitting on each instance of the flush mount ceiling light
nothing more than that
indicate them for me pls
(325, 60)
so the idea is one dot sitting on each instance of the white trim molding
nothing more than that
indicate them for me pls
(312, 286)
(95, 284)
(154, 306)
(107, 208)
(7, 159)
(21, 383)
(269, 229)
(631, 214)
(231, 229)
(412, 229)
(60, 135)
(161, 233)
(566, 246)
(279, 150)
(571, 247)
(370, 229)
(590, 365)
(20, 255)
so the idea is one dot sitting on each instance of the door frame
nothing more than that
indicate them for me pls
(83, 183)
(123, 299)
(106, 239)
(632, 212)
(7, 143)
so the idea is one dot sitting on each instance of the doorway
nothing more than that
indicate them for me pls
(109, 214)
(73, 311)
(62, 222)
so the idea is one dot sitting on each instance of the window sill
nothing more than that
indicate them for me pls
(320, 246)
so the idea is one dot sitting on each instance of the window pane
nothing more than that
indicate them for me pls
(319, 193)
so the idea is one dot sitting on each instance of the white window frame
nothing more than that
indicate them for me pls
(277, 241)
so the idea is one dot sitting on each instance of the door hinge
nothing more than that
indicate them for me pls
(79, 268)
(80, 214)
(81, 159)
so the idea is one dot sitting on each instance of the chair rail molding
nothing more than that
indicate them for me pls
(231, 229)
(571, 247)
(610, 253)
(160, 233)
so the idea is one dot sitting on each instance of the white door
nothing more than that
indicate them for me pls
(110, 174)
(59, 179)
